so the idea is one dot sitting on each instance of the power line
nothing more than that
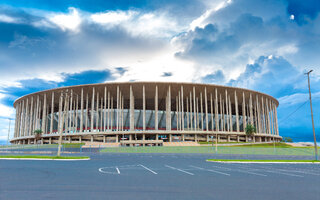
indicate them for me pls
(293, 112)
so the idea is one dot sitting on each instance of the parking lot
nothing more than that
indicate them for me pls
(156, 176)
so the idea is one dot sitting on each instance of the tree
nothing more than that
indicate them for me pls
(287, 139)
(37, 134)
(250, 130)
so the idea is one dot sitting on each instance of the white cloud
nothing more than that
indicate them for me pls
(297, 98)
(112, 17)
(70, 21)
(292, 17)
(8, 19)
(6, 111)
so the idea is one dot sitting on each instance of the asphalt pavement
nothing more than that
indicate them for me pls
(156, 176)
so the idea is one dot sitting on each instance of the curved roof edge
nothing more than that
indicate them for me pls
(146, 82)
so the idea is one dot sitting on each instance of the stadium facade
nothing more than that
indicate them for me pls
(145, 113)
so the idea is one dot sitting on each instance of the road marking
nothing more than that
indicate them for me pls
(148, 169)
(239, 170)
(118, 170)
(210, 170)
(106, 172)
(179, 170)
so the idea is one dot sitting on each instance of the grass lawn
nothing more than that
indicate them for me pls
(209, 149)
(44, 157)
(243, 160)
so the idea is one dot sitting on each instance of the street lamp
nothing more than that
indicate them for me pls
(314, 134)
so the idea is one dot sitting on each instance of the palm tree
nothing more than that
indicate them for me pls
(250, 130)
(37, 133)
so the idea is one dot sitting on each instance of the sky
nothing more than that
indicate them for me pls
(264, 45)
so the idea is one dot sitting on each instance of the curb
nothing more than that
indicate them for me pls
(43, 159)
(264, 162)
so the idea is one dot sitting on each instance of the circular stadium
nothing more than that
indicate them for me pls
(145, 113)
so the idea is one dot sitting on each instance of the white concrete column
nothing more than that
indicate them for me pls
(230, 114)
(111, 115)
(263, 116)
(81, 112)
(191, 122)
(118, 106)
(206, 108)
(216, 110)
(92, 109)
(237, 111)
(22, 119)
(276, 119)
(144, 107)
(156, 109)
(105, 110)
(26, 119)
(71, 110)
(197, 113)
(250, 109)
(244, 112)
(182, 108)
(169, 96)
(201, 110)
(37, 113)
(31, 117)
(221, 114)
(44, 111)
(101, 114)
(60, 114)
(258, 114)
(194, 109)
(211, 108)
(187, 114)
(108, 120)
(76, 109)
(131, 109)
(87, 112)
(227, 111)
(177, 113)
(97, 113)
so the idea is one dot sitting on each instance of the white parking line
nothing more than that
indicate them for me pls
(148, 169)
(210, 170)
(239, 170)
(179, 170)
(118, 170)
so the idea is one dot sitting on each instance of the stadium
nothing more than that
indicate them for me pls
(145, 113)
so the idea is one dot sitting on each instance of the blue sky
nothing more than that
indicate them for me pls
(261, 45)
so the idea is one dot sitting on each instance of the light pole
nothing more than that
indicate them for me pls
(314, 134)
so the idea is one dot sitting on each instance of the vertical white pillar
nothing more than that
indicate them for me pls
(131, 110)
(263, 116)
(105, 109)
(37, 113)
(221, 114)
(216, 110)
(108, 121)
(87, 113)
(81, 114)
(117, 120)
(227, 111)
(97, 113)
(230, 115)
(31, 117)
(71, 111)
(211, 108)
(250, 107)
(187, 113)
(177, 113)
(237, 111)
(191, 122)
(206, 109)
(156, 109)
(258, 114)
(111, 115)
(44, 111)
(182, 108)
(169, 97)
(244, 112)
(201, 110)
(26, 118)
(194, 109)
(92, 110)
(144, 107)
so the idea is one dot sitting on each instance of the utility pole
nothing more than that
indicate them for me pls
(314, 134)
